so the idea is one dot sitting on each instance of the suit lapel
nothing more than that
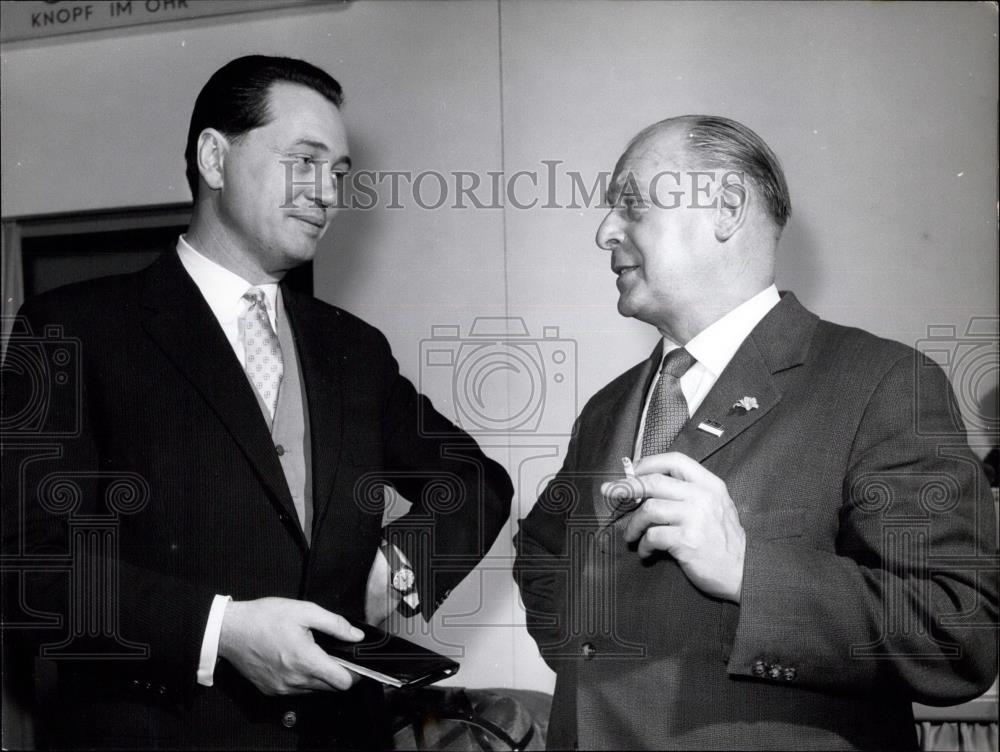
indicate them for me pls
(179, 320)
(780, 341)
(322, 374)
(747, 375)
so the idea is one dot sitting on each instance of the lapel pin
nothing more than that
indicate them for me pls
(710, 426)
(746, 404)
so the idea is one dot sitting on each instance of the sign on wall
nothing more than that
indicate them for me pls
(33, 19)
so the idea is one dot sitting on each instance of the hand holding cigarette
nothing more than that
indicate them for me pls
(677, 507)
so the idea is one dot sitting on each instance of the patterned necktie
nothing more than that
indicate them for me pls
(264, 365)
(668, 411)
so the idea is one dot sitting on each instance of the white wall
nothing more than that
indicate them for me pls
(884, 115)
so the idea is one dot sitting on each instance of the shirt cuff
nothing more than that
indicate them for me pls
(412, 600)
(210, 643)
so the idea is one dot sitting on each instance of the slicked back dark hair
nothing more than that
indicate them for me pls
(234, 101)
(719, 143)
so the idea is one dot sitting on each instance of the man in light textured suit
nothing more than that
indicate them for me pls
(230, 435)
(805, 545)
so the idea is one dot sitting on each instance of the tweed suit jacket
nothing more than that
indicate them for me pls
(163, 409)
(869, 579)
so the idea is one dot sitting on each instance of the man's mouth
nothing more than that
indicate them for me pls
(318, 222)
(622, 269)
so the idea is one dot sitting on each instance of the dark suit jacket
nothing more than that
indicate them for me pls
(170, 448)
(870, 570)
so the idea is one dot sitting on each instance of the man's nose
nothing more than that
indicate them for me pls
(609, 233)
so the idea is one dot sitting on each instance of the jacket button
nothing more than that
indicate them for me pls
(789, 674)
(588, 650)
(759, 668)
(289, 719)
(283, 517)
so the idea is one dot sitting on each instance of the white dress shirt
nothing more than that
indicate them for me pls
(712, 348)
(223, 291)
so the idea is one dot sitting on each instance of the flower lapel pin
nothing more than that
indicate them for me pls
(746, 404)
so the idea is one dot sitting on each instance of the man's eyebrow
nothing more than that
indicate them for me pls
(317, 145)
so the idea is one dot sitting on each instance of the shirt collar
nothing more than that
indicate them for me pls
(715, 345)
(222, 289)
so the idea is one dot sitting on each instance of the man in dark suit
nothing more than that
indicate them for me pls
(805, 544)
(234, 435)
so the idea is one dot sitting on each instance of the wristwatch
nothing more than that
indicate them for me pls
(402, 579)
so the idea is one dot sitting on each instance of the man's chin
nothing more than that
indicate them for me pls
(302, 253)
(632, 310)
(627, 308)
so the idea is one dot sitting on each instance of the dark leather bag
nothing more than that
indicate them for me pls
(456, 718)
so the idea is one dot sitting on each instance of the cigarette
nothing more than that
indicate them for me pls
(629, 469)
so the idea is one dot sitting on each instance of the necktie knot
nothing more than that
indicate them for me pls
(256, 297)
(677, 362)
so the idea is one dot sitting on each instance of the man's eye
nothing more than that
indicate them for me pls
(305, 160)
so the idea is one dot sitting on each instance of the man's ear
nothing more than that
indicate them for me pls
(732, 208)
(212, 150)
